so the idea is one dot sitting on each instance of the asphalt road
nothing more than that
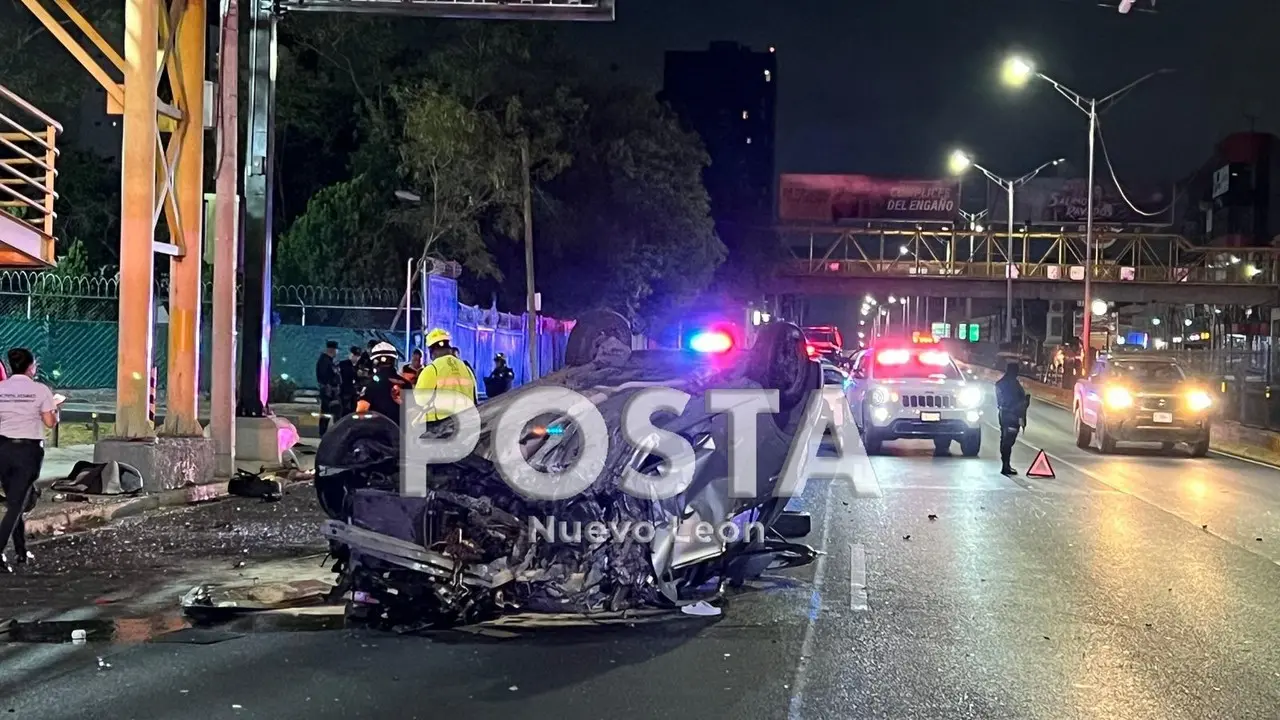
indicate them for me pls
(1130, 586)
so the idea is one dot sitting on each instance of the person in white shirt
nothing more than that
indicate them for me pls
(26, 409)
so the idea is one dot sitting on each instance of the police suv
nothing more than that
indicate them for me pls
(914, 390)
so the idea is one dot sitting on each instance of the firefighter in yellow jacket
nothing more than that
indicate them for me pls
(447, 378)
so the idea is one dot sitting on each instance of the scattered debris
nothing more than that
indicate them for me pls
(246, 484)
(103, 664)
(906, 537)
(932, 517)
(1204, 527)
(701, 608)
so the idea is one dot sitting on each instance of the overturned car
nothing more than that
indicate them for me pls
(474, 548)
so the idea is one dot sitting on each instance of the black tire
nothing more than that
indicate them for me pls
(592, 329)
(778, 362)
(350, 454)
(1106, 441)
(1200, 448)
(1167, 447)
(942, 445)
(1084, 433)
(971, 443)
(873, 441)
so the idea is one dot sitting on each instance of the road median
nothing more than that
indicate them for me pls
(1227, 438)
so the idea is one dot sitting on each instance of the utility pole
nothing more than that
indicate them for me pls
(531, 297)
(222, 423)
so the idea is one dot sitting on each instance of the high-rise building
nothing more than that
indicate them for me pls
(728, 95)
(1234, 199)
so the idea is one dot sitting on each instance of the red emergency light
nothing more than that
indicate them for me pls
(893, 357)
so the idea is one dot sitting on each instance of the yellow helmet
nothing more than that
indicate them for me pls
(437, 336)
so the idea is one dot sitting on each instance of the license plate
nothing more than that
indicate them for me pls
(1162, 417)
(930, 417)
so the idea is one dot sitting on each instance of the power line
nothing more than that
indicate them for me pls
(1106, 157)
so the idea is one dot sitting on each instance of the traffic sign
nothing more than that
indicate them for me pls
(1040, 467)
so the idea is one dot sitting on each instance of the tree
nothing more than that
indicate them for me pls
(629, 227)
(343, 239)
(457, 160)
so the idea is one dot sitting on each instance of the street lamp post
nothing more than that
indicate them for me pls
(961, 162)
(1018, 71)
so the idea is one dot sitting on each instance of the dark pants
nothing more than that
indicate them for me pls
(330, 405)
(19, 469)
(1008, 436)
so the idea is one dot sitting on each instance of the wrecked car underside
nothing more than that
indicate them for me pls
(472, 548)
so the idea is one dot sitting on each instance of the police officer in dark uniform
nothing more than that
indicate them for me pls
(330, 383)
(499, 381)
(1012, 402)
(381, 392)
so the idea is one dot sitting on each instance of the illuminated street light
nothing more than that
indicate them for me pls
(978, 228)
(1016, 72)
(892, 299)
(1099, 307)
(1251, 270)
(903, 250)
(1187, 322)
(1155, 321)
(960, 161)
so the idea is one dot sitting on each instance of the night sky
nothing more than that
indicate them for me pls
(890, 86)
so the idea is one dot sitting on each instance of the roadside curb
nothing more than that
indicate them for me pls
(1229, 439)
(94, 514)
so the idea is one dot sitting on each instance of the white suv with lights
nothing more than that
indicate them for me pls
(914, 392)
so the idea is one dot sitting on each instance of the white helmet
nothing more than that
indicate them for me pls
(384, 352)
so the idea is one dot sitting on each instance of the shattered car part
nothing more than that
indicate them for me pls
(466, 553)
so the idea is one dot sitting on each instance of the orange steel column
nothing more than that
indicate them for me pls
(181, 418)
(137, 208)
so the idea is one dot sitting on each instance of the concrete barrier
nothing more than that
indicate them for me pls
(1226, 437)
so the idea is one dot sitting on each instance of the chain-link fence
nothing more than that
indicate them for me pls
(70, 324)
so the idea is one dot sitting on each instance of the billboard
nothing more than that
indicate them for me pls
(839, 198)
(1060, 201)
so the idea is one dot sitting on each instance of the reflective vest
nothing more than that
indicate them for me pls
(451, 386)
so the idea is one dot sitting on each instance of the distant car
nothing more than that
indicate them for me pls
(824, 341)
(914, 391)
(1141, 399)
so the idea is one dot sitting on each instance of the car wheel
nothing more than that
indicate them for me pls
(971, 443)
(942, 446)
(1084, 433)
(1106, 442)
(1200, 448)
(873, 441)
(598, 333)
(779, 362)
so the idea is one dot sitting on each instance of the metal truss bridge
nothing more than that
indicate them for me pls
(1128, 266)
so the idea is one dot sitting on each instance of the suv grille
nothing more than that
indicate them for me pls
(1157, 403)
(942, 402)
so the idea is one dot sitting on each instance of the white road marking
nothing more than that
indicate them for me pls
(796, 706)
(858, 579)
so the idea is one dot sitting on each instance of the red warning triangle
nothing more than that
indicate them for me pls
(1040, 467)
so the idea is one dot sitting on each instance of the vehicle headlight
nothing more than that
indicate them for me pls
(970, 397)
(879, 396)
(1199, 400)
(1117, 398)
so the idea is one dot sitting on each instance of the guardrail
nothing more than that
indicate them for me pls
(28, 167)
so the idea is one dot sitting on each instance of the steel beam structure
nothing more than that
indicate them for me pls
(255, 362)
(161, 175)
(567, 10)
